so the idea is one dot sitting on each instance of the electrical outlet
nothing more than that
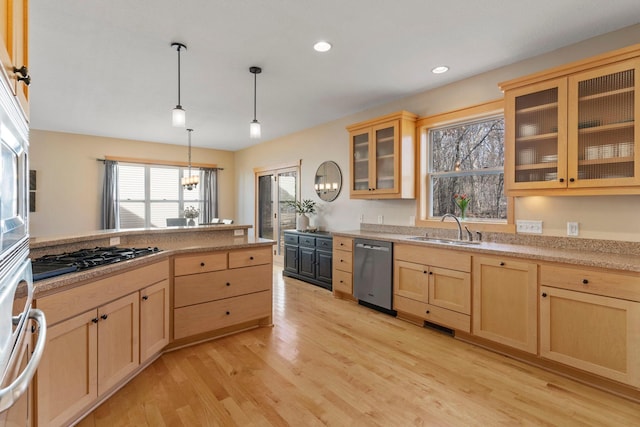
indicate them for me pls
(238, 232)
(412, 220)
(113, 241)
(380, 219)
(572, 229)
(361, 218)
(531, 227)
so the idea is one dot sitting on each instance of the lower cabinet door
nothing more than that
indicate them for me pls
(307, 262)
(118, 342)
(591, 332)
(67, 375)
(324, 266)
(291, 259)
(154, 319)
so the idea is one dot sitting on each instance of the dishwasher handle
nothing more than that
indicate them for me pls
(372, 247)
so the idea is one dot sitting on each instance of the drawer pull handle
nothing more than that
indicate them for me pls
(104, 317)
(146, 297)
(585, 281)
(501, 263)
(572, 180)
(202, 264)
(544, 295)
(228, 284)
(228, 313)
(94, 320)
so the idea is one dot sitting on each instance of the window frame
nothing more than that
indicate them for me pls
(147, 192)
(423, 209)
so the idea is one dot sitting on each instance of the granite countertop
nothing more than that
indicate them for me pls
(70, 280)
(588, 258)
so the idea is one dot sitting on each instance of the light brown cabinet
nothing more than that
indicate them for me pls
(93, 343)
(215, 292)
(14, 52)
(433, 285)
(505, 306)
(590, 320)
(154, 319)
(575, 133)
(342, 270)
(382, 156)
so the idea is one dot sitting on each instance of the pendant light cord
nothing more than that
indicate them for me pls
(179, 47)
(255, 90)
(190, 130)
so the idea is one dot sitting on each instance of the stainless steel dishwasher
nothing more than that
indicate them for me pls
(372, 274)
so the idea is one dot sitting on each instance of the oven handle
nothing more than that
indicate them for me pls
(10, 394)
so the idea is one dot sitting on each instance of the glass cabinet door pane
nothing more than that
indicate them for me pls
(536, 142)
(606, 126)
(360, 161)
(385, 158)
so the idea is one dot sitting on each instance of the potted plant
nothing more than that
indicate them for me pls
(191, 212)
(303, 208)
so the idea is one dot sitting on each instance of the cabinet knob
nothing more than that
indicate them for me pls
(251, 258)
(571, 179)
(228, 284)
(427, 311)
(424, 272)
(202, 264)
(431, 272)
(228, 313)
(561, 180)
(341, 244)
(104, 316)
(146, 297)
(341, 281)
(585, 281)
(94, 320)
(544, 295)
(501, 263)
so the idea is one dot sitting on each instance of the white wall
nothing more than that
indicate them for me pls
(609, 217)
(69, 179)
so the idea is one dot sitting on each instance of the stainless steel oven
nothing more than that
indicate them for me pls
(19, 357)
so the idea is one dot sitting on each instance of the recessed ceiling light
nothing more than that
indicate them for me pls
(322, 46)
(441, 69)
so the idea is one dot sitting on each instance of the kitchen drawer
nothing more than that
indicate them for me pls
(343, 282)
(343, 243)
(201, 318)
(199, 263)
(433, 314)
(195, 289)
(306, 241)
(444, 258)
(249, 257)
(600, 282)
(290, 239)
(324, 243)
(343, 260)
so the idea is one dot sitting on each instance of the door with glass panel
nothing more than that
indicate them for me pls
(275, 189)
(602, 128)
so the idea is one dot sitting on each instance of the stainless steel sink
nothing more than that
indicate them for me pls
(444, 241)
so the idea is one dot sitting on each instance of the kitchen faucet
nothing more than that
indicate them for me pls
(457, 221)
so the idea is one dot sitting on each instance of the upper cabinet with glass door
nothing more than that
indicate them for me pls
(382, 153)
(572, 130)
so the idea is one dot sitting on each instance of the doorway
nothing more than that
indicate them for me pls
(275, 188)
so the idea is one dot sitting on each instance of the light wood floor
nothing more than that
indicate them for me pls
(333, 362)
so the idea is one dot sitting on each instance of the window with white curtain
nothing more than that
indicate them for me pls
(149, 194)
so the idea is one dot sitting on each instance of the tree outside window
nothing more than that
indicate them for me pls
(468, 158)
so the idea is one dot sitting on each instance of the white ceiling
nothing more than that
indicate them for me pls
(106, 67)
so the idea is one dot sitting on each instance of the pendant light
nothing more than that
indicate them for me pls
(190, 182)
(254, 126)
(179, 116)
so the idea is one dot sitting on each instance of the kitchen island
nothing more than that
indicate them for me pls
(107, 323)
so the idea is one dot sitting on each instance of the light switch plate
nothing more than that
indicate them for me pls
(380, 219)
(572, 229)
(531, 227)
(239, 232)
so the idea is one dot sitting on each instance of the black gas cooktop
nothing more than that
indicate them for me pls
(68, 262)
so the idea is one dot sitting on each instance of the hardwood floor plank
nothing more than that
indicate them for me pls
(332, 362)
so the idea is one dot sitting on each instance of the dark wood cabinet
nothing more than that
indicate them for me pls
(308, 257)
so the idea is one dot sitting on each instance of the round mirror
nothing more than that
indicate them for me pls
(328, 181)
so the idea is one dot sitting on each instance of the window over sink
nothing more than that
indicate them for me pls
(461, 162)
